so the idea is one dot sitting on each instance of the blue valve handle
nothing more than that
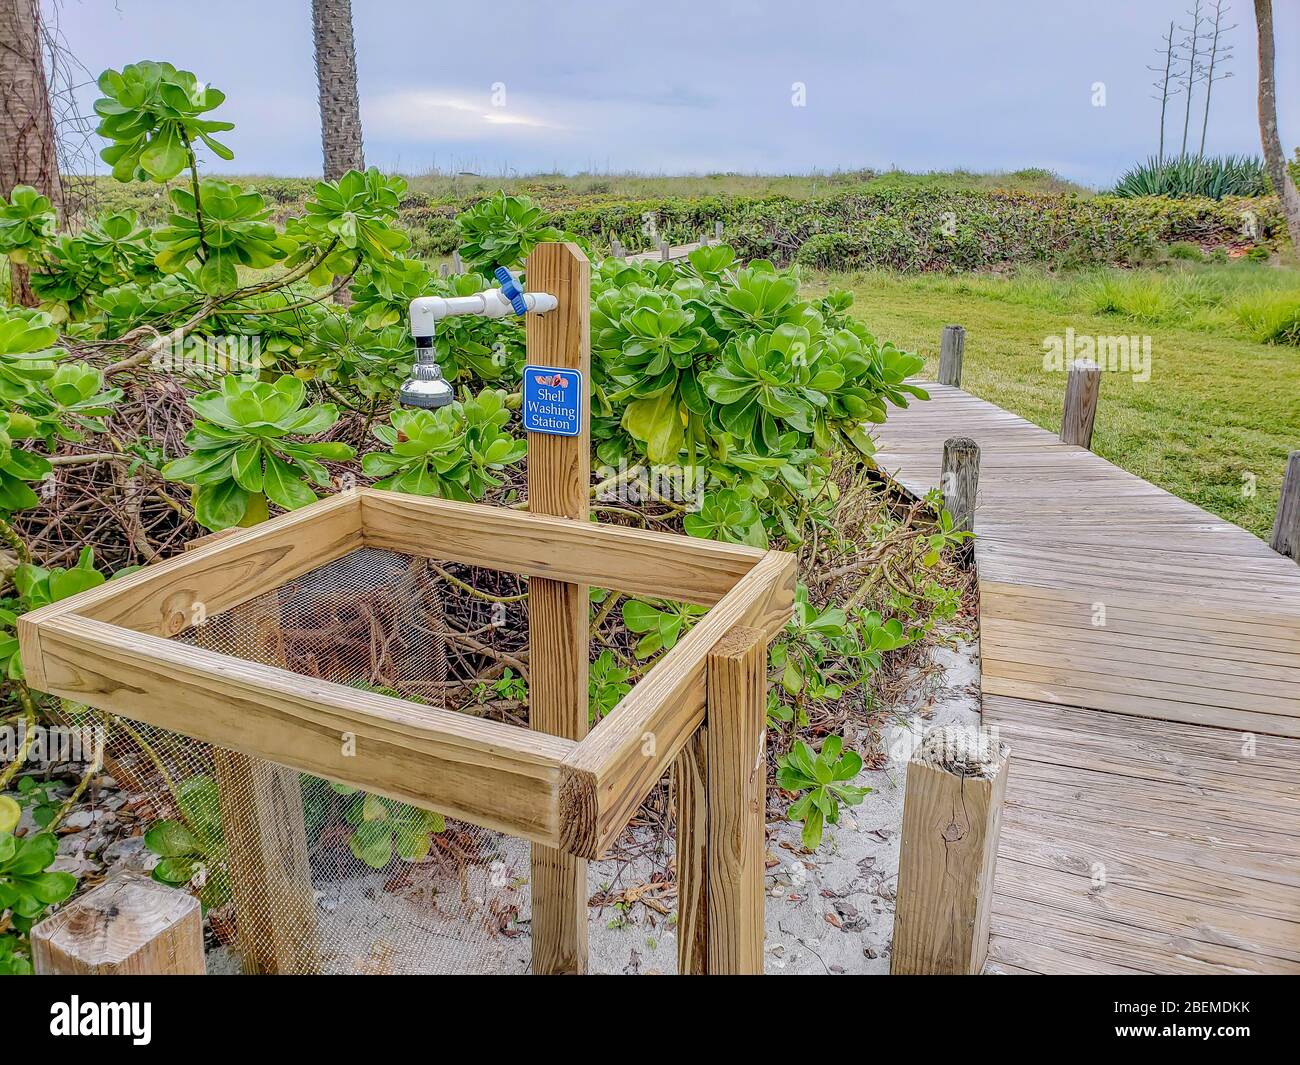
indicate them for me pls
(511, 290)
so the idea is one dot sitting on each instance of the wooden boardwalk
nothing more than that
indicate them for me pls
(1142, 659)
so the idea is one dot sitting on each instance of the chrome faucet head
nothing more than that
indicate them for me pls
(426, 387)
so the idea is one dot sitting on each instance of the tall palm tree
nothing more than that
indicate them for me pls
(28, 152)
(336, 73)
(1274, 160)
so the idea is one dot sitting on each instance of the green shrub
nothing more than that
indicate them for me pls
(1273, 318)
(1185, 249)
(1213, 178)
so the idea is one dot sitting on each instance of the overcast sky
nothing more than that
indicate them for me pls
(677, 86)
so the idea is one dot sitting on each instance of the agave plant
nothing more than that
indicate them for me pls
(1187, 176)
(241, 455)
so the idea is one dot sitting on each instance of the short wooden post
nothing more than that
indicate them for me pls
(665, 251)
(960, 488)
(717, 231)
(952, 345)
(721, 785)
(130, 926)
(952, 813)
(559, 482)
(1082, 387)
(1286, 526)
(444, 270)
(704, 239)
(457, 267)
(616, 248)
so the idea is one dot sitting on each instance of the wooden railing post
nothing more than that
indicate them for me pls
(960, 487)
(559, 630)
(1082, 387)
(130, 926)
(952, 345)
(721, 786)
(1286, 525)
(952, 813)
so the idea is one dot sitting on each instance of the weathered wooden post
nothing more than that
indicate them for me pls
(1082, 387)
(559, 482)
(717, 232)
(952, 345)
(130, 926)
(960, 488)
(1286, 525)
(457, 267)
(721, 788)
(616, 248)
(444, 270)
(665, 251)
(952, 813)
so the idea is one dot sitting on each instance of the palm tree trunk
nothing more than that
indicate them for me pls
(28, 153)
(1274, 160)
(336, 73)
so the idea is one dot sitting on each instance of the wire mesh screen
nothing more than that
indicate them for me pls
(303, 875)
(300, 874)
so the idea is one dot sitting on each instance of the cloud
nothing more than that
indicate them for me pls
(438, 116)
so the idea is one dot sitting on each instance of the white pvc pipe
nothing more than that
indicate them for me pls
(427, 311)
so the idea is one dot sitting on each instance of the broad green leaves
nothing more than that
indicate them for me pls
(385, 828)
(26, 888)
(824, 780)
(26, 219)
(229, 231)
(150, 112)
(501, 231)
(660, 627)
(453, 452)
(243, 455)
(193, 849)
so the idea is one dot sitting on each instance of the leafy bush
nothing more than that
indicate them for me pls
(1271, 319)
(1187, 251)
(718, 368)
(27, 889)
(1187, 176)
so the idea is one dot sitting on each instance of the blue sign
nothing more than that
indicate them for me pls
(552, 400)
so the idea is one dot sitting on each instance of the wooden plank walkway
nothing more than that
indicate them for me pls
(1142, 659)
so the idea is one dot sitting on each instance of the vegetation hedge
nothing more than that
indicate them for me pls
(914, 228)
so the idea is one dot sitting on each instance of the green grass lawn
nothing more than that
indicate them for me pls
(1220, 410)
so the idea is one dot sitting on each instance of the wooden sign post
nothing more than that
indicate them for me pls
(559, 482)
